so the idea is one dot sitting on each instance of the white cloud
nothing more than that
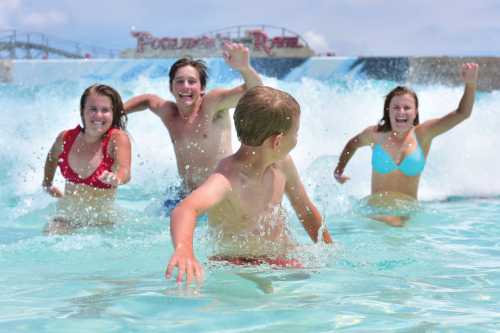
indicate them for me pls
(13, 15)
(41, 20)
(316, 41)
(9, 4)
(346, 27)
(7, 9)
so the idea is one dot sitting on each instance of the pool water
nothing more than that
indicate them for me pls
(438, 273)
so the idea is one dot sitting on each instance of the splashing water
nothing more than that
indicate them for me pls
(439, 272)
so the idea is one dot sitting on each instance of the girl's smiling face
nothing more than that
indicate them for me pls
(402, 112)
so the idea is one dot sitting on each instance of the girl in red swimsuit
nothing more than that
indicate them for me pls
(94, 160)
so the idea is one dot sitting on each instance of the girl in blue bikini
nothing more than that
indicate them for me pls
(401, 144)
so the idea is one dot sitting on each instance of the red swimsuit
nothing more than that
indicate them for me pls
(69, 174)
(256, 261)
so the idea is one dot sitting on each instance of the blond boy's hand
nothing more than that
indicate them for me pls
(187, 265)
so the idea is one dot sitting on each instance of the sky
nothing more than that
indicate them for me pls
(344, 27)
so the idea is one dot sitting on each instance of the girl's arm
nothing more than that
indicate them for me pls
(364, 138)
(51, 167)
(434, 127)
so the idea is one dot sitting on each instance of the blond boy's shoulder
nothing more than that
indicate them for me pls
(285, 164)
(227, 166)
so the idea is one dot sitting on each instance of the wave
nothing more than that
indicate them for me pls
(44, 97)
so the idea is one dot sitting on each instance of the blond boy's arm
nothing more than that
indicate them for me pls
(305, 209)
(183, 223)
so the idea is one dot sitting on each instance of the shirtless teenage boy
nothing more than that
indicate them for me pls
(198, 122)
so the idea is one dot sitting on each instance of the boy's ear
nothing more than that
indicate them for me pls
(276, 140)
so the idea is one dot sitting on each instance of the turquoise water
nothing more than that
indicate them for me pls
(439, 273)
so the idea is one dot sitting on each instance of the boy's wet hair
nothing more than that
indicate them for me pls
(384, 124)
(263, 112)
(119, 116)
(199, 65)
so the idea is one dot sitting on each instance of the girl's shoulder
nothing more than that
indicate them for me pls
(116, 133)
(371, 135)
(117, 138)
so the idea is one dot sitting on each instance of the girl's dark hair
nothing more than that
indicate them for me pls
(384, 124)
(119, 116)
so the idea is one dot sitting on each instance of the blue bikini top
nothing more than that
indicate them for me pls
(412, 165)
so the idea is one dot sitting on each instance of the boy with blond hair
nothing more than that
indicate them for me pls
(243, 196)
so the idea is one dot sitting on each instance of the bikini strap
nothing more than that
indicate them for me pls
(105, 141)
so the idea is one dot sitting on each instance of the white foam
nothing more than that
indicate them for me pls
(461, 162)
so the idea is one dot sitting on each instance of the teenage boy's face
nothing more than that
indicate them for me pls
(186, 86)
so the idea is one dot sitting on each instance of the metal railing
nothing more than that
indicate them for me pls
(238, 32)
(15, 44)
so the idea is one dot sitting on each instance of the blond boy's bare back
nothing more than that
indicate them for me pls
(250, 221)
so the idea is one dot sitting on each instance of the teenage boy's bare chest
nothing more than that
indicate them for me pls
(200, 128)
